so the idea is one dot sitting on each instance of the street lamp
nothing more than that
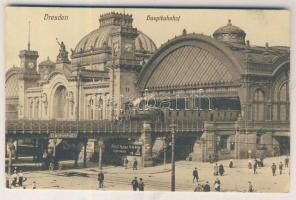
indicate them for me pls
(173, 129)
(101, 146)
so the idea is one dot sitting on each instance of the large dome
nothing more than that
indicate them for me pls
(101, 38)
(230, 33)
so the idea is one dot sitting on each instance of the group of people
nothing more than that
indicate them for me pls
(137, 185)
(207, 188)
(135, 164)
(17, 179)
(258, 164)
(219, 169)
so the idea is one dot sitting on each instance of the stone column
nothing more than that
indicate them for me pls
(147, 144)
(210, 141)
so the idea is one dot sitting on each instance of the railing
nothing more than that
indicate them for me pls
(95, 126)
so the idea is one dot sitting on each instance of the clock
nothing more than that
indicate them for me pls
(31, 65)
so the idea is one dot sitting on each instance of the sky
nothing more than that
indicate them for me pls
(261, 26)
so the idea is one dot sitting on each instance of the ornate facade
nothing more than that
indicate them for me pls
(243, 89)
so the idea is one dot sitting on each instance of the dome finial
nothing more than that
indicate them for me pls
(229, 22)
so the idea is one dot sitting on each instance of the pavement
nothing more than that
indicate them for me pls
(157, 178)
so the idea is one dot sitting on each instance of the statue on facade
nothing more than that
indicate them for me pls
(63, 53)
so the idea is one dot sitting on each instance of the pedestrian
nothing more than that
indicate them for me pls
(126, 163)
(255, 167)
(135, 165)
(206, 187)
(195, 175)
(21, 178)
(210, 158)
(261, 160)
(51, 166)
(221, 169)
(135, 184)
(251, 188)
(287, 161)
(249, 164)
(231, 163)
(141, 185)
(34, 185)
(198, 188)
(217, 185)
(14, 178)
(281, 167)
(258, 163)
(216, 171)
(101, 179)
(273, 168)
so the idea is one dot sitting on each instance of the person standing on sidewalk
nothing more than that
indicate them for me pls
(141, 185)
(101, 179)
(216, 170)
(221, 169)
(126, 163)
(255, 166)
(135, 184)
(195, 175)
(34, 185)
(231, 163)
(135, 165)
(217, 185)
(207, 187)
(287, 161)
(14, 178)
(273, 168)
(251, 188)
(281, 167)
(21, 178)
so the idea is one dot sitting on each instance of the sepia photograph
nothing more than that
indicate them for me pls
(147, 99)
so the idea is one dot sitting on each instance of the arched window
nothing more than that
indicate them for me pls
(283, 100)
(258, 105)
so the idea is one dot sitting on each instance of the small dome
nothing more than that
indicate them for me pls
(101, 38)
(230, 33)
(46, 63)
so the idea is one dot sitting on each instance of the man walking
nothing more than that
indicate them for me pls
(101, 179)
(135, 184)
(126, 163)
(135, 165)
(281, 167)
(273, 168)
(255, 166)
(216, 169)
(287, 161)
(141, 185)
(221, 169)
(195, 175)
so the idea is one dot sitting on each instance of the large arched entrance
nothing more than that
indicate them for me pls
(59, 103)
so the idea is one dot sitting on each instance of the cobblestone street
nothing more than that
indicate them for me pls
(158, 178)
